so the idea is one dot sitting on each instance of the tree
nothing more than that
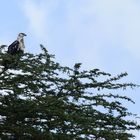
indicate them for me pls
(40, 99)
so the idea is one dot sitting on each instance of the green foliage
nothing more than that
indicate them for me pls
(40, 99)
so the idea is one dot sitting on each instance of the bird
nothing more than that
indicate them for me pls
(17, 46)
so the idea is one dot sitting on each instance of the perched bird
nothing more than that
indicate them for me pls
(18, 45)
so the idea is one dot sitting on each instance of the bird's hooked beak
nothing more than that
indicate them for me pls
(24, 34)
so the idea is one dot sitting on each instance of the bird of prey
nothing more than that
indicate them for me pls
(18, 45)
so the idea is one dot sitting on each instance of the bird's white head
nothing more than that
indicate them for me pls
(21, 35)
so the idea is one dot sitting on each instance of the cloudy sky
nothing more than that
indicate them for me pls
(101, 34)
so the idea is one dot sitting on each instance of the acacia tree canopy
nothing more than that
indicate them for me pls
(40, 99)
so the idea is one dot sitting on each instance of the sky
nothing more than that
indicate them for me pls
(100, 34)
